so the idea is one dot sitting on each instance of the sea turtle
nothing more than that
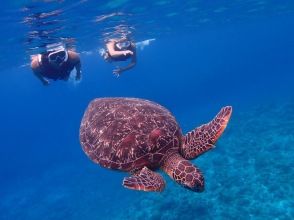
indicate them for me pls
(138, 136)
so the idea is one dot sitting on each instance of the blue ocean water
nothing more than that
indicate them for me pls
(206, 55)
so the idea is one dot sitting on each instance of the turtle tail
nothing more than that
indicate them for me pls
(203, 138)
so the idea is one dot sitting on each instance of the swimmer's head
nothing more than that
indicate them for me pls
(123, 45)
(58, 57)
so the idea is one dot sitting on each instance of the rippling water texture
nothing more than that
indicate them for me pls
(206, 54)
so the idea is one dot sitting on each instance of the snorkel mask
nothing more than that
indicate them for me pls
(58, 57)
(123, 45)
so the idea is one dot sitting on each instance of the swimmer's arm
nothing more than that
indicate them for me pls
(131, 64)
(113, 52)
(35, 67)
(76, 59)
(41, 78)
(78, 70)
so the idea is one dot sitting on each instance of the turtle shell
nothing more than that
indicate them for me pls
(128, 133)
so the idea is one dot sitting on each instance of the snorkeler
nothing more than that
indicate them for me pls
(120, 50)
(56, 64)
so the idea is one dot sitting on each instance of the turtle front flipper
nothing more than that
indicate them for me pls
(203, 138)
(183, 172)
(145, 180)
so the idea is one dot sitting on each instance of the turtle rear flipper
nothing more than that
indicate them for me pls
(145, 180)
(203, 138)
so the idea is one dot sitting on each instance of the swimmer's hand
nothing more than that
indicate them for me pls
(78, 76)
(117, 71)
(127, 52)
(45, 82)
